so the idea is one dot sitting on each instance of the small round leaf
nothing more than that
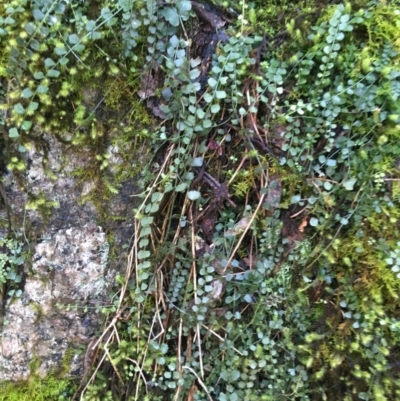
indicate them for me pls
(193, 195)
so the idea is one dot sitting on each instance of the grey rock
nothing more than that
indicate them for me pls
(68, 260)
(70, 268)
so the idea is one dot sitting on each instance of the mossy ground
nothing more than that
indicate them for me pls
(36, 389)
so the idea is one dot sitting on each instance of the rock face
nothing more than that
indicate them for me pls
(68, 273)
(69, 269)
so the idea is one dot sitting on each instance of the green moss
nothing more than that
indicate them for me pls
(53, 387)
(49, 388)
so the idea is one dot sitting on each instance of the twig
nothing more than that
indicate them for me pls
(193, 243)
(301, 211)
(220, 338)
(140, 372)
(112, 364)
(179, 357)
(111, 325)
(245, 232)
(220, 190)
(97, 367)
(237, 170)
(200, 382)
(199, 346)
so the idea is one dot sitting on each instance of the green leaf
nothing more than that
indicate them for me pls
(53, 74)
(349, 184)
(313, 222)
(90, 25)
(193, 195)
(340, 36)
(27, 93)
(174, 40)
(143, 276)
(220, 94)
(19, 109)
(146, 221)
(60, 51)
(37, 14)
(207, 123)
(107, 16)
(208, 98)
(34, 45)
(197, 162)
(183, 6)
(333, 22)
(13, 133)
(171, 15)
(49, 62)
(26, 125)
(212, 82)
(181, 187)
(73, 39)
(79, 47)
(143, 254)
(215, 108)
(248, 298)
(95, 35)
(154, 208)
(233, 375)
(344, 18)
(156, 197)
(42, 89)
(203, 147)
(332, 31)
(38, 75)
(193, 74)
(195, 62)
(295, 199)
(200, 113)
(9, 21)
(33, 106)
(145, 264)
(30, 28)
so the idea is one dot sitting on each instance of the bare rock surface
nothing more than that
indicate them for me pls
(69, 268)
(67, 257)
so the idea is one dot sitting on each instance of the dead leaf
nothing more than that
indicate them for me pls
(303, 224)
(192, 392)
(218, 289)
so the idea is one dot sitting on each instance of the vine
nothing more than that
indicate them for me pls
(265, 258)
